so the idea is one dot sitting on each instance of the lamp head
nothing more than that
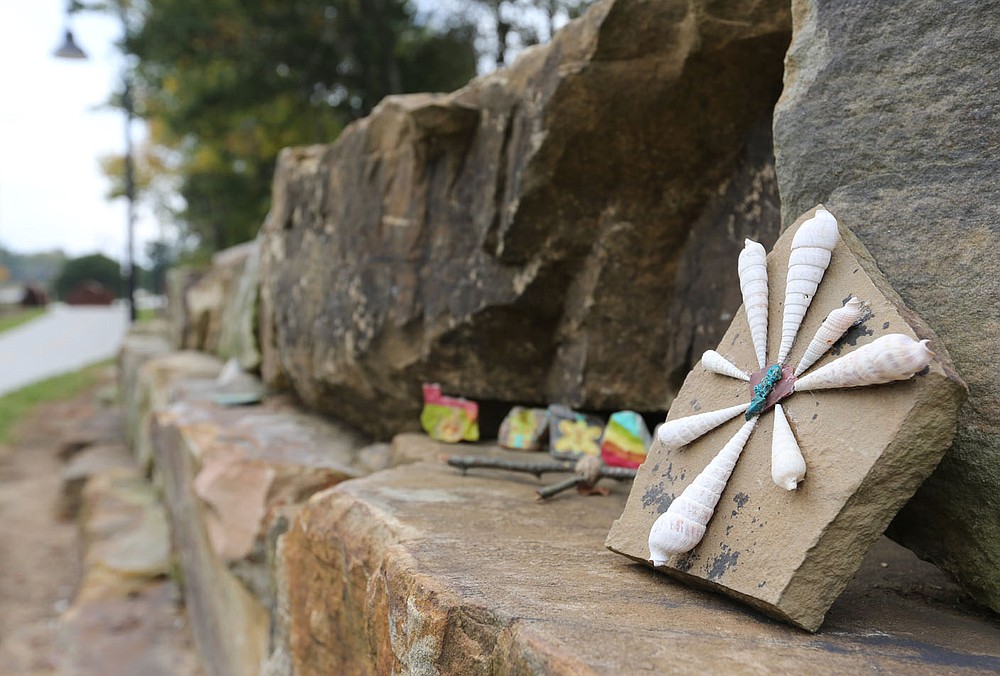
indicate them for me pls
(69, 49)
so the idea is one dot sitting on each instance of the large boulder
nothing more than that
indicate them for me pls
(523, 239)
(890, 117)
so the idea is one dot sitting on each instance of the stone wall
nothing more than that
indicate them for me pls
(230, 478)
(289, 566)
(565, 230)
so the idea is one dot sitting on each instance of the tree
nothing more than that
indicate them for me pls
(516, 24)
(38, 268)
(95, 267)
(161, 257)
(225, 84)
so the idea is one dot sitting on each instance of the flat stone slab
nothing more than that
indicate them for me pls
(867, 449)
(127, 616)
(143, 634)
(276, 433)
(88, 462)
(125, 536)
(231, 477)
(418, 569)
(150, 382)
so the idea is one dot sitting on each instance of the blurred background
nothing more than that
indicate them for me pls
(215, 88)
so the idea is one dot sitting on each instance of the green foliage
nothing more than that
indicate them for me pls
(15, 405)
(161, 257)
(225, 84)
(40, 268)
(96, 267)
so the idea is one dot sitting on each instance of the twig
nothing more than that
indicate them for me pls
(467, 462)
(587, 471)
(619, 473)
(548, 491)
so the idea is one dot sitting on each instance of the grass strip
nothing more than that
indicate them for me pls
(9, 320)
(15, 405)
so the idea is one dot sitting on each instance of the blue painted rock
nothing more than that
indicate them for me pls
(524, 429)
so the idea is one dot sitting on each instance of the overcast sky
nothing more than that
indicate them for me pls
(52, 191)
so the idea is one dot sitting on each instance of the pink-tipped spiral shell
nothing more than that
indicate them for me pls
(812, 248)
(892, 357)
(682, 431)
(716, 363)
(683, 525)
(753, 284)
(833, 327)
(788, 467)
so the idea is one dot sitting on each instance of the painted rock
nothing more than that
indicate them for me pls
(449, 419)
(524, 428)
(573, 435)
(626, 439)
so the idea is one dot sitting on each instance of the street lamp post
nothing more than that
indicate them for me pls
(130, 199)
(70, 50)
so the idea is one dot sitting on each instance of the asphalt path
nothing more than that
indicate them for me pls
(64, 339)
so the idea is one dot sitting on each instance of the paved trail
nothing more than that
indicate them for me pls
(64, 339)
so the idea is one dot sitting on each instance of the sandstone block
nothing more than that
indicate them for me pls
(513, 240)
(790, 553)
(138, 347)
(239, 317)
(126, 617)
(911, 162)
(420, 570)
(203, 304)
(181, 332)
(142, 634)
(125, 537)
(153, 386)
(230, 476)
(89, 462)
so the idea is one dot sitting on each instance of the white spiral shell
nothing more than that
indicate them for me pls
(812, 248)
(833, 327)
(892, 357)
(682, 526)
(716, 363)
(753, 284)
(682, 431)
(788, 467)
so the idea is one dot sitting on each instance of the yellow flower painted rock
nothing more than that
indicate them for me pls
(573, 435)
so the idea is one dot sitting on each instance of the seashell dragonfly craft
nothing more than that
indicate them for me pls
(892, 357)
